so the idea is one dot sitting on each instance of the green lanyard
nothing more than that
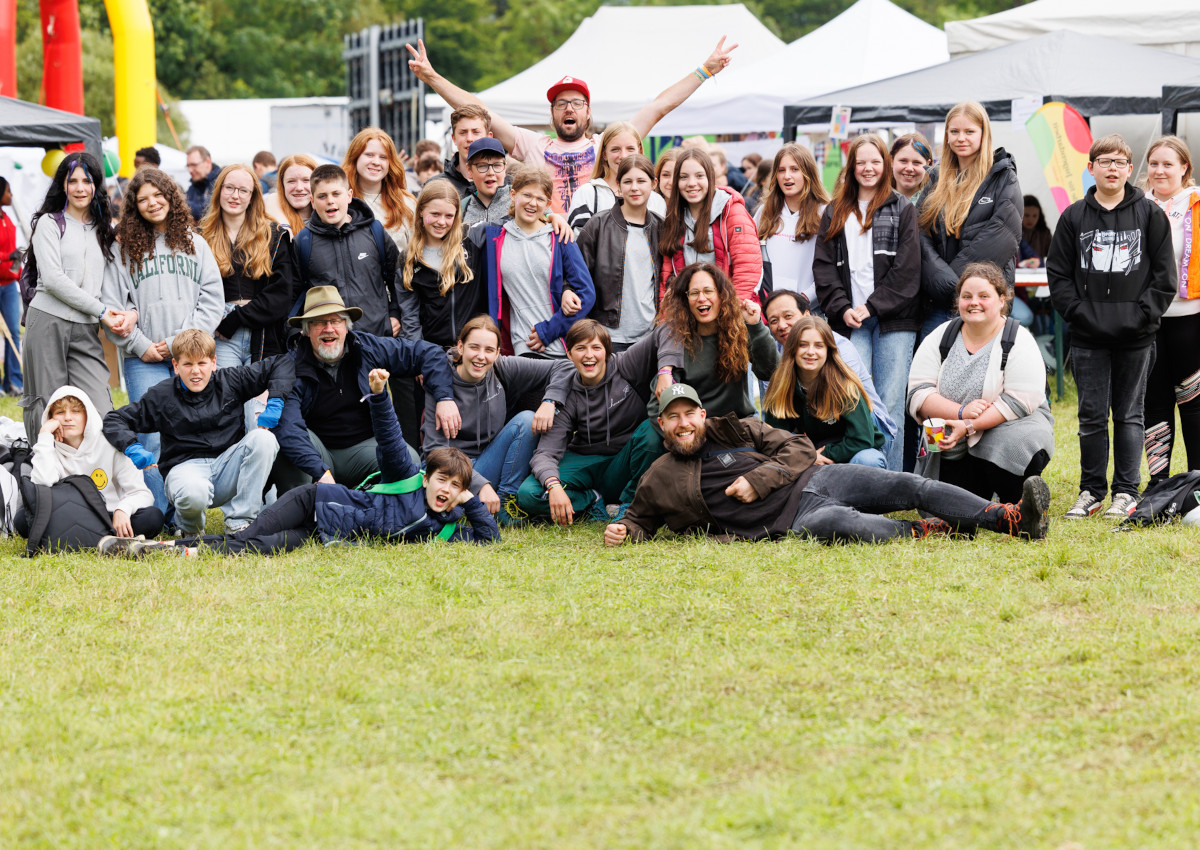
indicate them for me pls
(411, 485)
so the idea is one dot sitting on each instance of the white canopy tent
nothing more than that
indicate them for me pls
(611, 51)
(750, 97)
(1172, 25)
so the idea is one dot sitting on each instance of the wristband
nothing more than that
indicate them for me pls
(961, 408)
(667, 371)
(552, 482)
(702, 73)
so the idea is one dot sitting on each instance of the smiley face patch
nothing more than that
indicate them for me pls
(99, 478)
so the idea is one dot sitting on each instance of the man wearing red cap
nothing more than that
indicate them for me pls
(571, 153)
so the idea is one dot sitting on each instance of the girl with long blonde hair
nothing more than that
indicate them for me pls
(970, 212)
(255, 257)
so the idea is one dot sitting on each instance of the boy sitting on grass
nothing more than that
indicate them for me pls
(71, 442)
(208, 458)
(406, 507)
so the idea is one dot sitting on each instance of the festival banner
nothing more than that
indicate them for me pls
(1062, 138)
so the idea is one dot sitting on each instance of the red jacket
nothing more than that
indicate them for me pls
(8, 244)
(735, 246)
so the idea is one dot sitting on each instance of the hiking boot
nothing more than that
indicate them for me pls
(511, 513)
(923, 528)
(1034, 508)
(116, 547)
(1122, 506)
(1085, 506)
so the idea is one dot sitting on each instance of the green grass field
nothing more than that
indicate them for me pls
(546, 692)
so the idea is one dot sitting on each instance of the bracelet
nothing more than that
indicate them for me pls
(666, 371)
(703, 73)
(961, 408)
(552, 482)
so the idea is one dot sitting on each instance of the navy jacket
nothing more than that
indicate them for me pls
(343, 513)
(399, 356)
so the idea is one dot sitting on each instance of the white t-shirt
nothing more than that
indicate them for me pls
(637, 292)
(791, 260)
(1177, 209)
(861, 255)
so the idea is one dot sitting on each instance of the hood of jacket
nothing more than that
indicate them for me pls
(722, 198)
(93, 430)
(360, 217)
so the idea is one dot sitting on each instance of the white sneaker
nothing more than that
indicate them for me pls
(1085, 506)
(1122, 506)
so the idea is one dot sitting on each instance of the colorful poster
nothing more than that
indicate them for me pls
(1062, 138)
(839, 123)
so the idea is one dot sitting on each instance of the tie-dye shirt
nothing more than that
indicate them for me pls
(570, 163)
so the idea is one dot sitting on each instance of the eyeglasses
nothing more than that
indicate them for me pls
(485, 167)
(1107, 162)
(330, 321)
(576, 103)
(236, 190)
(694, 294)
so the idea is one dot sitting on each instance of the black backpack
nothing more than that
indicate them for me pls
(68, 516)
(1008, 338)
(1167, 499)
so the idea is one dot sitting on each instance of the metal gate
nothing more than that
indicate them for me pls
(383, 92)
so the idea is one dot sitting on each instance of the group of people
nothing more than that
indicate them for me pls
(582, 337)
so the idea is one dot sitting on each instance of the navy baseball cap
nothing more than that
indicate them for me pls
(485, 145)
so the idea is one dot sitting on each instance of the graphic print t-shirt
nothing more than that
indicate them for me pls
(570, 163)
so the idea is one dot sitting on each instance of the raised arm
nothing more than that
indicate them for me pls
(420, 65)
(673, 95)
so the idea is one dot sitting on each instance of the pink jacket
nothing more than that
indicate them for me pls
(735, 247)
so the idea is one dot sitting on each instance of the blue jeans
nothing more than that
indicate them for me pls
(234, 480)
(934, 316)
(235, 351)
(888, 356)
(870, 457)
(140, 377)
(1111, 380)
(505, 462)
(10, 309)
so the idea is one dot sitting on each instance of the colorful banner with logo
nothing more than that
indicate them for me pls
(1062, 138)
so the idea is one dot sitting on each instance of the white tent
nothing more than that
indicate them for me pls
(1172, 25)
(627, 55)
(884, 40)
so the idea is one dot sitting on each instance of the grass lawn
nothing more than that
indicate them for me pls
(546, 692)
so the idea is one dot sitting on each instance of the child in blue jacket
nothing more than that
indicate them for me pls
(405, 507)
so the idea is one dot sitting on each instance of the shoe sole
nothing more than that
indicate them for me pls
(1095, 509)
(1035, 502)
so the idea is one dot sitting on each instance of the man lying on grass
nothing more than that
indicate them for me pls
(739, 479)
(405, 507)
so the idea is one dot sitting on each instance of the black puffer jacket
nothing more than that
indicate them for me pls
(347, 257)
(270, 299)
(992, 232)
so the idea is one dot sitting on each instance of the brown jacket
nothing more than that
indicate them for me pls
(669, 492)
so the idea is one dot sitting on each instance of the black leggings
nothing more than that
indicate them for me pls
(1174, 381)
(983, 478)
(288, 524)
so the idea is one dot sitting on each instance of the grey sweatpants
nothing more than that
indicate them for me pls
(57, 352)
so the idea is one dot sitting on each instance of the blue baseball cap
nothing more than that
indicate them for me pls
(485, 145)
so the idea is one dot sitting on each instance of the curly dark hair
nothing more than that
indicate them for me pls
(733, 356)
(137, 235)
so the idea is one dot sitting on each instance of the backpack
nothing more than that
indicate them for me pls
(303, 243)
(1008, 338)
(67, 516)
(29, 272)
(1175, 496)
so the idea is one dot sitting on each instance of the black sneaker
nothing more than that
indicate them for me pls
(1035, 509)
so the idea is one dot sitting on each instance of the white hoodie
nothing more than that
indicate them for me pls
(118, 480)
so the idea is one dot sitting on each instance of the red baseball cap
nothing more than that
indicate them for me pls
(566, 84)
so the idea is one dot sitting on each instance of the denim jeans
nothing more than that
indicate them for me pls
(235, 351)
(140, 377)
(842, 502)
(10, 309)
(888, 356)
(505, 462)
(1113, 380)
(934, 316)
(870, 457)
(234, 480)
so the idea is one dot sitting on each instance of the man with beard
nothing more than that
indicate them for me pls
(739, 479)
(325, 433)
(571, 153)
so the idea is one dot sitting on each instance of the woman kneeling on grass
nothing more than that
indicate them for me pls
(405, 507)
(813, 392)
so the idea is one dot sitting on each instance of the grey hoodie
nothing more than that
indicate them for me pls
(172, 291)
(525, 268)
(71, 270)
(720, 199)
(600, 419)
(484, 405)
(473, 210)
